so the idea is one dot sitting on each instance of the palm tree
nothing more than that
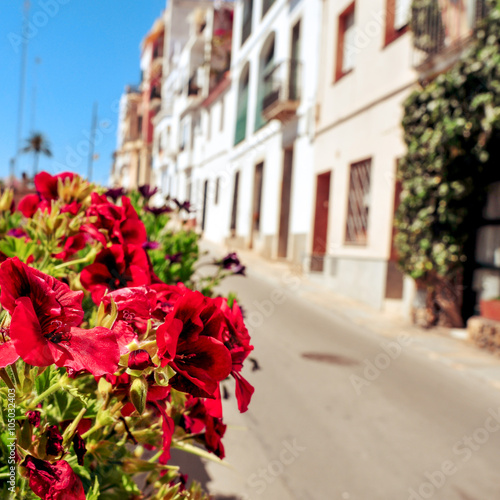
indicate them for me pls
(37, 144)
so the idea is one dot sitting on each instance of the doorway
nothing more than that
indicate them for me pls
(257, 200)
(321, 222)
(204, 213)
(295, 61)
(286, 190)
(234, 211)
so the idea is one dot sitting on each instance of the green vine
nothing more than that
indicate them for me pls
(452, 132)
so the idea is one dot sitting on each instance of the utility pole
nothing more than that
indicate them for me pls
(22, 83)
(93, 128)
(33, 95)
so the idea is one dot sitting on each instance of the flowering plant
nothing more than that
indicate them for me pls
(112, 352)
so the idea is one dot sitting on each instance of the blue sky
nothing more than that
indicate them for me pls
(88, 51)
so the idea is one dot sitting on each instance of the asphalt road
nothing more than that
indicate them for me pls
(340, 412)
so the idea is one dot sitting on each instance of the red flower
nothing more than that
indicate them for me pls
(237, 340)
(8, 353)
(46, 184)
(120, 222)
(166, 297)
(34, 418)
(54, 441)
(189, 341)
(200, 415)
(214, 433)
(45, 314)
(53, 481)
(140, 360)
(168, 427)
(131, 227)
(134, 305)
(116, 267)
(29, 205)
(79, 447)
(71, 208)
(72, 245)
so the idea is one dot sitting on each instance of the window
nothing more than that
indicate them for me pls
(184, 135)
(139, 126)
(189, 185)
(358, 203)
(346, 50)
(234, 211)
(241, 116)
(266, 66)
(266, 5)
(247, 20)
(209, 124)
(217, 187)
(397, 17)
(222, 111)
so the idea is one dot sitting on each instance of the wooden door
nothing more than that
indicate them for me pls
(320, 234)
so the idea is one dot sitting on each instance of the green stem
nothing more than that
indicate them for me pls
(13, 367)
(70, 431)
(63, 380)
(23, 487)
(5, 377)
(83, 260)
(154, 458)
(45, 260)
(91, 431)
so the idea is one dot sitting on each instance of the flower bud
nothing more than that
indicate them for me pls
(104, 388)
(138, 394)
(6, 200)
(25, 435)
(139, 360)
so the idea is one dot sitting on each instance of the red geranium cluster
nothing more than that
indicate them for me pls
(150, 355)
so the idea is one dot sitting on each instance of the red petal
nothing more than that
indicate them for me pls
(167, 337)
(133, 231)
(8, 354)
(168, 428)
(26, 335)
(207, 362)
(94, 350)
(53, 482)
(29, 205)
(244, 391)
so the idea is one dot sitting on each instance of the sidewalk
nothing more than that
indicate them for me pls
(451, 347)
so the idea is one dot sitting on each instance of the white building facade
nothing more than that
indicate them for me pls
(234, 135)
(366, 74)
(274, 70)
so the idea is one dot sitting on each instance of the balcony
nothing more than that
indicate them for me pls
(155, 93)
(193, 87)
(247, 28)
(266, 5)
(282, 91)
(441, 29)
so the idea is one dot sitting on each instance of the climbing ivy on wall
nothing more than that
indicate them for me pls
(452, 132)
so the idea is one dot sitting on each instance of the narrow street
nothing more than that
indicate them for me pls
(340, 412)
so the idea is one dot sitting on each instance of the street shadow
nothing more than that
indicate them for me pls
(191, 465)
(194, 467)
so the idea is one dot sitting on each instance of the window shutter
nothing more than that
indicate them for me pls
(402, 13)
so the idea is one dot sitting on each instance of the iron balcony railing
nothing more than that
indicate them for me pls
(247, 28)
(441, 26)
(266, 5)
(193, 87)
(282, 84)
(241, 117)
(155, 93)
